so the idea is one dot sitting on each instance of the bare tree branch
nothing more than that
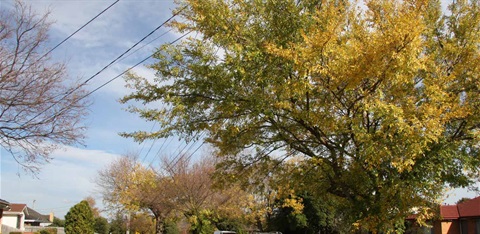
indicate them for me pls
(29, 84)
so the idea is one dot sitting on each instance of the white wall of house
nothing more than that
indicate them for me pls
(14, 220)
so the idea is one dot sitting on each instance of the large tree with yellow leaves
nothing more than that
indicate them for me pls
(382, 96)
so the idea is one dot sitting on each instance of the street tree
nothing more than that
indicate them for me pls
(179, 190)
(381, 95)
(79, 219)
(93, 206)
(36, 114)
(205, 206)
(101, 225)
(127, 184)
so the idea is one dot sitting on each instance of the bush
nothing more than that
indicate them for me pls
(48, 231)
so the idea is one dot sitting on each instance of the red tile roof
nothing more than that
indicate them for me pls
(470, 208)
(449, 212)
(17, 207)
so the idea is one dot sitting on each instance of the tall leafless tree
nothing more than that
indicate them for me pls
(40, 108)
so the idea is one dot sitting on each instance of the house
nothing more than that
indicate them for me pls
(35, 219)
(4, 206)
(462, 218)
(15, 217)
(20, 216)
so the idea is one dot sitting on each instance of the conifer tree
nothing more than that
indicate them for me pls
(79, 219)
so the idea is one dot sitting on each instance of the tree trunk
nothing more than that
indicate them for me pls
(159, 225)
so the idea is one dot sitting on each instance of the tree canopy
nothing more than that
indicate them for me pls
(380, 96)
(179, 190)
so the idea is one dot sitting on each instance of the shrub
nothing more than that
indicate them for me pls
(48, 231)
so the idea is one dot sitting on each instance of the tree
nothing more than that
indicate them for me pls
(93, 206)
(383, 98)
(462, 200)
(57, 222)
(36, 114)
(204, 206)
(178, 190)
(127, 184)
(101, 225)
(142, 222)
(79, 219)
(300, 205)
(118, 224)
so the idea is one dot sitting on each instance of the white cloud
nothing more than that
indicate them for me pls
(62, 183)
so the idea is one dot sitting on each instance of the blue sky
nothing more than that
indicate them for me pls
(69, 177)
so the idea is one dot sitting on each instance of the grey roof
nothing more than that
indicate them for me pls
(36, 217)
(4, 205)
(4, 202)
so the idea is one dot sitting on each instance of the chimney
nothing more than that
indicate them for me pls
(50, 217)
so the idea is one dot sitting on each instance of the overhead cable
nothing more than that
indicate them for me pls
(83, 26)
(104, 68)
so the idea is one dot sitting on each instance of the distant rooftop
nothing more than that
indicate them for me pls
(17, 208)
(468, 208)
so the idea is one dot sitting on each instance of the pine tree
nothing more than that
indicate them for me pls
(79, 219)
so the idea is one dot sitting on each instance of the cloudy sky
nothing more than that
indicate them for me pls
(69, 177)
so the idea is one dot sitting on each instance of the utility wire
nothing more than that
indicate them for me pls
(123, 73)
(104, 68)
(178, 157)
(144, 143)
(141, 47)
(128, 50)
(83, 26)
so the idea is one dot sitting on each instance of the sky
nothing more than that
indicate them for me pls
(70, 176)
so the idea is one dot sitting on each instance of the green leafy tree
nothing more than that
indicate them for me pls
(118, 224)
(382, 97)
(79, 219)
(171, 228)
(57, 222)
(101, 225)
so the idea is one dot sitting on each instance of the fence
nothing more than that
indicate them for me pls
(7, 229)
(60, 230)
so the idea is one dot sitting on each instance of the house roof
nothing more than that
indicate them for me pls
(466, 209)
(4, 205)
(17, 208)
(469, 208)
(34, 216)
(449, 212)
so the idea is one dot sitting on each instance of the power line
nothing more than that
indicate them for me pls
(104, 68)
(83, 26)
(178, 157)
(123, 73)
(128, 50)
(160, 149)
(144, 143)
(148, 43)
